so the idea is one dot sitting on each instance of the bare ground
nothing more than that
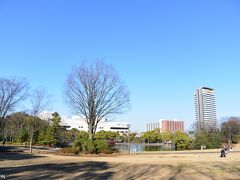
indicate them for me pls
(161, 165)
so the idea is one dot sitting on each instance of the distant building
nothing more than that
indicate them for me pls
(166, 125)
(47, 116)
(78, 123)
(172, 126)
(205, 108)
(151, 126)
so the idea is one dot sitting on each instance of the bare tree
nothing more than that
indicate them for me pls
(12, 92)
(230, 127)
(40, 101)
(94, 91)
(14, 125)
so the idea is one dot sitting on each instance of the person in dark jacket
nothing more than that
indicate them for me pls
(223, 153)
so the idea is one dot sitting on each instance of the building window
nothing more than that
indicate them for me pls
(119, 128)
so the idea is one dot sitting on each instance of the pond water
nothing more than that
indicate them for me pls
(124, 147)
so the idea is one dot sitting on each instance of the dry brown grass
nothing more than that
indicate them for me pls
(165, 165)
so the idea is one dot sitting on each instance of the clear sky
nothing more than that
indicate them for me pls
(163, 50)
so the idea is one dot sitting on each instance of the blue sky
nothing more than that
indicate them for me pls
(163, 50)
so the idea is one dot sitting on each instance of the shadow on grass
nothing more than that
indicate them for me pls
(83, 170)
(4, 156)
(213, 171)
(11, 149)
(104, 170)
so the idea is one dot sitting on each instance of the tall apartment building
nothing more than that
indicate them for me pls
(166, 126)
(205, 108)
(152, 126)
(172, 126)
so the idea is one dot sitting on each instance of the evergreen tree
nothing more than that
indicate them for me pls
(52, 135)
(23, 136)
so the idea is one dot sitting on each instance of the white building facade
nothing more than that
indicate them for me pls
(150, 126)
(205, 108)
(80, 124)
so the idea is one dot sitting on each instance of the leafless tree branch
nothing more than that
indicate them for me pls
(94, 91)
(12, 92)
(40, 101)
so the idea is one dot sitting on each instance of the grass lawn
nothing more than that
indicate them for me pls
(159, 165)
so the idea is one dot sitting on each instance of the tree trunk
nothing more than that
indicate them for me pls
(90, 136)
(90, 133)
(229, 141)
(31, 140)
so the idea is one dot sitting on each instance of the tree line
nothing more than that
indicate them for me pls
(93, 91)
(227, 133)
(18, 128)
(51, 133)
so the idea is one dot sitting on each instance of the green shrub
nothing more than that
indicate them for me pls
(102, 146)
(92, 147)
(77, 144)
(98, 145)
(80, 142)
(88, 146)
(106, 135)
(84, 145)
(181, 140)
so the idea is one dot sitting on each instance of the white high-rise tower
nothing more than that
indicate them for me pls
(205, 108)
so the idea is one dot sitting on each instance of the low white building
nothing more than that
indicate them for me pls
(78, 123)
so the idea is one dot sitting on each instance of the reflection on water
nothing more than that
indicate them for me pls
(123, 147)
